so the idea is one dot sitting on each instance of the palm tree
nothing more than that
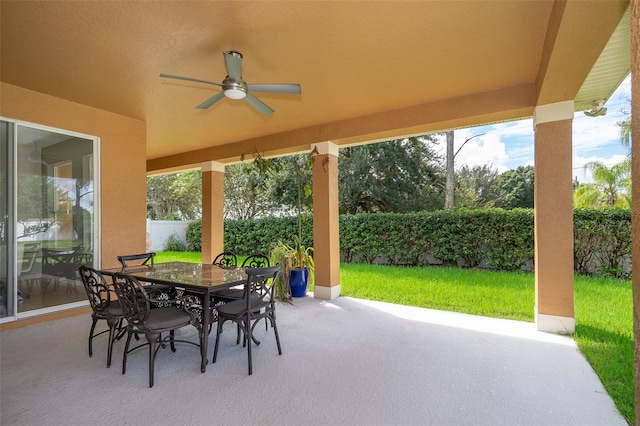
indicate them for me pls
(611, 186)
(625, 132)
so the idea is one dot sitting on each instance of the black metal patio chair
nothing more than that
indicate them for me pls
(152, 317)
(129, 260)
(257, 303)
(105, 306)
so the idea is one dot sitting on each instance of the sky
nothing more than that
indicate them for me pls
(507, 146)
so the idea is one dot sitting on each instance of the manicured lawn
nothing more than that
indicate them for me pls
(603, 308)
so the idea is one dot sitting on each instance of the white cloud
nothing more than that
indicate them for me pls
(510, 145)
(482, 150)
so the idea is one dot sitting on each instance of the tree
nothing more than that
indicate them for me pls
(514, 188)
(611, 186)
(246, 193)
(475, 187)
(401, 175)
(449, 199)
(175, 196)
(450, 174)
(625, 131)
(292, 180)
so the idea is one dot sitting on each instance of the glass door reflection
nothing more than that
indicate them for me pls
(55, 217)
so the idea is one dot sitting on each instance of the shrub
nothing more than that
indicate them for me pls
(174, 244)
(492, 238)
(194, 235)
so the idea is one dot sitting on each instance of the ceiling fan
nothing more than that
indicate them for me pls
(35, 155)
(234, 87)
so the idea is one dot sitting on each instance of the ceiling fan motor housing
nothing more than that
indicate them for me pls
(234, 89)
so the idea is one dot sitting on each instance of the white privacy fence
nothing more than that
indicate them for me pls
(158, 232)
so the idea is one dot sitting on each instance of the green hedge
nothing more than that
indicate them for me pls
(602, 242)
(487, 238)
(494, 238)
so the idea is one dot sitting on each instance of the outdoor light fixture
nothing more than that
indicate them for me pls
(234, 89)
(597, 108)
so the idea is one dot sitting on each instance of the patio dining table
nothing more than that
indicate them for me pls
(203, 279)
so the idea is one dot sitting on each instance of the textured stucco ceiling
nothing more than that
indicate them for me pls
(353, 60)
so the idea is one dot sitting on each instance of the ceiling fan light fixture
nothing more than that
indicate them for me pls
(235, 93)
(235, 88)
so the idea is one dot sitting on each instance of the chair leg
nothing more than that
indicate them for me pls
(152, 339)
(275, 330)
(93, 328)
(112, 328)
(218, 332)
(126, 350)
(248, 336)
(172, 340)
(122, 330)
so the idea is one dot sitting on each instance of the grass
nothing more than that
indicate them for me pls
(603, 308)
(178, 256)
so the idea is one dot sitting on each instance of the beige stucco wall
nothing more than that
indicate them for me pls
(122, 162)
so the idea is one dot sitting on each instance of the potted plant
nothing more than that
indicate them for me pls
(297, 269)
(296, 260)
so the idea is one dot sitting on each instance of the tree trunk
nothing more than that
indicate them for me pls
(449, 186)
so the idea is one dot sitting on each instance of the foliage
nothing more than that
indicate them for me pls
(296, 170)
(491, 238)
(625, 131)
(514, 188)
(611, 186)
(602, 241)
(401, 175)
(494, 238)
(257, 235)
(290, 258)
(174, 195)
(475, 187)
(292, 182)
(247, 194)
(174, 243)
(194, 235)
(280, 254)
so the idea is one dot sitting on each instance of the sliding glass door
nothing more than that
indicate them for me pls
(51, 220)
(6, 307)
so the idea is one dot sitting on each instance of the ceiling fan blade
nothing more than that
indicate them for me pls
(275, 88)
(212, 100)
(197, 80)
(258, 104)
(233, 62)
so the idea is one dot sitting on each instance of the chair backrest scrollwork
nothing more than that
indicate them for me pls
(133, 298)
(257, 260)
(226, 259)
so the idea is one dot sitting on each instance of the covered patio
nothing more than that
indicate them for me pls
(369, 72)
(390, 364)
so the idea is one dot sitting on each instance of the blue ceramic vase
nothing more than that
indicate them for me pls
(298, 282)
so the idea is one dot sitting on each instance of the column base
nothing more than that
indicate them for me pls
(555, 324)
(326, 293)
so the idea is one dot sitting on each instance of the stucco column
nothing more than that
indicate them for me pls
(326, 230)
(212, 210)
(553, 200)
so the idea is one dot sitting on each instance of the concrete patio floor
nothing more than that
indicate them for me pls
(344, 362)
